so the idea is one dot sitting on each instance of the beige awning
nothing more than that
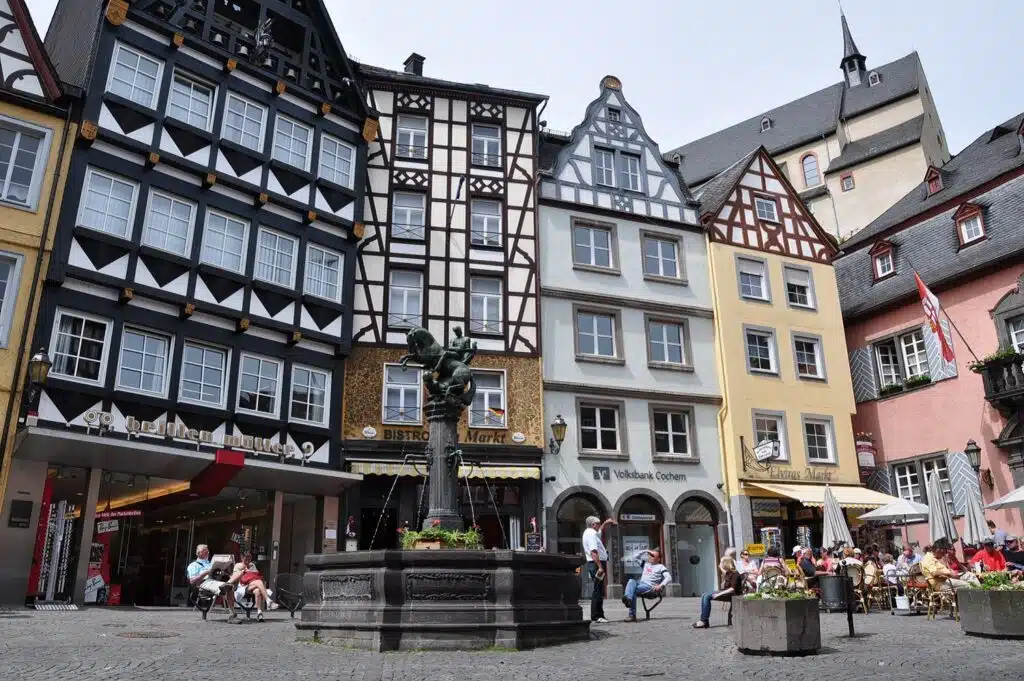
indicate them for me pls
(420, 470)
(814, 495)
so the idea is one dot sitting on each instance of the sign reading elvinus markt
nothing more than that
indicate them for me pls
(808, 474)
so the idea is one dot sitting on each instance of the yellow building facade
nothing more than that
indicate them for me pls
(36, 136)
(787, 393)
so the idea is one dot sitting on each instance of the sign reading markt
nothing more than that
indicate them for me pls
(806, 475)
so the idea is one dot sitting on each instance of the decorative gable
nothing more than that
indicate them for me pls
(933, 180)
(883, 259)
(970, 223)
(762, 211)
(24, 67)
(610, 162)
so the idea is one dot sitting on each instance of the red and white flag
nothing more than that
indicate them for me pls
(931, 312)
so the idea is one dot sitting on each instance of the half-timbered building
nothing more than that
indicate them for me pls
(785, 426)
(450, 242)
(198, 304)
(628, 332)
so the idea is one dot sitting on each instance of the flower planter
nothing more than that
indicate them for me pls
(424, 544)
(785, 627)
(996, 614)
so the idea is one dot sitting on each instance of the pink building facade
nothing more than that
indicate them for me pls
(962, 231)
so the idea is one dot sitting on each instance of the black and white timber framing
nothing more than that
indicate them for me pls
(265, 267)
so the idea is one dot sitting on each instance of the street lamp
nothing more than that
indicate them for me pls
(973, 453)
(558, 427)
(38, 369)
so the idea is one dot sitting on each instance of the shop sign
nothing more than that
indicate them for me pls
(808, 474)
(638, 517)
(243, 442)
(755, 549)
(104, 526)
(804, 514)
(632, 545)
(533, 542)
(765, 508)
(127, 513)
(603, 473)
(469, 435)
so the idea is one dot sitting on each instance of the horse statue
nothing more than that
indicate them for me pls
(446, 372)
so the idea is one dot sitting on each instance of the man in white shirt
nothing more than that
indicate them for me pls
(597, 562)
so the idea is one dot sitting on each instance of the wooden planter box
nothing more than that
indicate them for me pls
(424, 544)
(996, 614)
(783, 627)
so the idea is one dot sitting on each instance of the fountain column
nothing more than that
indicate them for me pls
(443, 493)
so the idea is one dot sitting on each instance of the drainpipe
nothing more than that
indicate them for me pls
(16, 380)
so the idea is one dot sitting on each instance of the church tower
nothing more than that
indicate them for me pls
(853, 63)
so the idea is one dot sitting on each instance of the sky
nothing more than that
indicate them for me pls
(691, 67)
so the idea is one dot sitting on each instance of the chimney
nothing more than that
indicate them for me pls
(414, 64)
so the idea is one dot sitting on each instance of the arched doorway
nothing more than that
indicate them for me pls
(570, 518)
(696, 546)
(641, 525)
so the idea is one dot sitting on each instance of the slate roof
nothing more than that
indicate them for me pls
(717, 190)
(931, 246)
(797, 122)
(896, 137)
(71, 39)
(370, 72)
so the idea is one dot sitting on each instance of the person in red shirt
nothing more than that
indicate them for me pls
(990, 556)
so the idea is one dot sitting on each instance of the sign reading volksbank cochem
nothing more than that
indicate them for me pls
(604, 473)
(179, 431)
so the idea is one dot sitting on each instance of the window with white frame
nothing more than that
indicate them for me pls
(310, 401)
(912, 479)
(488, 409)
(168, 225)
(408, 216)
(846, 183)
(799, 287)
(661, 258)
(336, 158)
(204, 374)
(80, 344)
(771, 427)
(901, 357)
(908, 484)
(766, 209)
(812, 177)
(486, 145)
(753, 282)
(604, 165)
(144, 359)
(21, 162)
(259, 384)
(599, 428)
(411, 137)
(323, 272)
(761, 352)
(405, 299)
(225, 241)
(883, 264)
(595, 334)
(485, 305)
(108, 203)
(243, 122)
(135, 76)
(10, 276)
(629, 172)
(275, 258)
(291, 142)
(971, 229)
(809, 363)
(671, 433)
(592, 246)
(666, 342)
(818, 440)
(1015, 326)
(485, 229)
(402, 395)
(191, 101)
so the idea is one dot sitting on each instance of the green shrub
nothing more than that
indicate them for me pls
(917, 381)
(773, 593)
(469, 539)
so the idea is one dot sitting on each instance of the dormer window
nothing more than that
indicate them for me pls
(883, 260)
(970, 224)
(766, 124)
(933, 178)
(614, 115)
(873, 79)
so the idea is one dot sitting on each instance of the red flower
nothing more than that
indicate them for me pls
(436, 523)
(401, 530)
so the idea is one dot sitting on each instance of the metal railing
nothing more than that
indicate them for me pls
(401, 414)
(485, 418)
(411, 151)
(408, 230)
(489, 160)
(485, 326)
(399, 320)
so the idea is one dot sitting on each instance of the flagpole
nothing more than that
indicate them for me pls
(966, 344)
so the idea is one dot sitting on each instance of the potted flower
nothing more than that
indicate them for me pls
(890, 389)
(995, 608)
(778, 621)
(992, 359)
(436, 537)
(917, 381)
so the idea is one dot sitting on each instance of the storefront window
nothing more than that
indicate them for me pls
(640, 528)
(696, 548)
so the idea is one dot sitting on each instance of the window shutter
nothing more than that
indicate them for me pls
(880, 481)
(862, 370)
(962, 479)
(939, 368)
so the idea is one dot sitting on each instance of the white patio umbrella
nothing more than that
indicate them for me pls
(1014, 499)
(898, 512)
(834, 529)
(975, 527)
(940, 522)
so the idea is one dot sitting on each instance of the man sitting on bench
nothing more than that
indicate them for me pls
(199, 572)
(654, 579)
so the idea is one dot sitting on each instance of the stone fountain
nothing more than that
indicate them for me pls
(442, 599)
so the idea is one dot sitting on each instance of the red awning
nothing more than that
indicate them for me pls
(207, 483)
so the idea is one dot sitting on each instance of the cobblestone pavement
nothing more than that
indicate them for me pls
(133, 644)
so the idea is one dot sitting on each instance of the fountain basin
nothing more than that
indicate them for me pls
(442, 600)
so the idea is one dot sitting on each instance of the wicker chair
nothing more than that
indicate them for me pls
(940, 599)
(774, 576)
(856, 573)
(876, 589)
(917, 587)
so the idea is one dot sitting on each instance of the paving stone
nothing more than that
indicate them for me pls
(84, 646)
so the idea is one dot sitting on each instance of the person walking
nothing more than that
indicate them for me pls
(597, 564)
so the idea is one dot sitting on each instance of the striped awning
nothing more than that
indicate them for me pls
(419, 470)
(814, 495)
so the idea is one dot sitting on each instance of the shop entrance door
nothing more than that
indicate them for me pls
(696, 550)
(180, 560)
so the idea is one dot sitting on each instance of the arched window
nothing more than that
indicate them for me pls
(810, 165)
(766, 124)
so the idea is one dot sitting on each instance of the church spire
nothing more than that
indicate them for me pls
(853, 62)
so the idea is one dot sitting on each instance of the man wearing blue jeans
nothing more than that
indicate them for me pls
(654, 578)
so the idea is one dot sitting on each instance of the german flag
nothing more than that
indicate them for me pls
(500, 413)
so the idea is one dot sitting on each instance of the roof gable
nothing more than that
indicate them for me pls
(611, 163)
(25, 67)
(781, 224)
(966, 210)
(881, 246)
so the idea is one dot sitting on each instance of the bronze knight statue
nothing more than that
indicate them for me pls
(446, 372)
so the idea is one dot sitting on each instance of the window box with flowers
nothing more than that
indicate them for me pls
(917, 382)
(435, 537)
(891, 389)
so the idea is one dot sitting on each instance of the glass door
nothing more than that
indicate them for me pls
(695, 547)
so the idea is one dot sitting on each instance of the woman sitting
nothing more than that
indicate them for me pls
(732, 586)
(248, 579)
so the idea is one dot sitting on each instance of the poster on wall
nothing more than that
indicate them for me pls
(631, 545)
